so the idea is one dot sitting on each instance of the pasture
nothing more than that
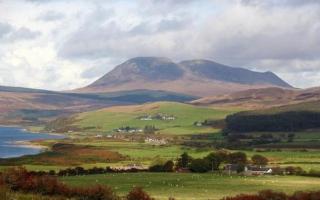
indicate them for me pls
(186, 186)
(106, 120)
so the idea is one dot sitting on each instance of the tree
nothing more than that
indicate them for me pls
(259, 160)
(214, 160)
(200, 165)
(237, 158)
(184, 160)
(149, 129)
(168, 166)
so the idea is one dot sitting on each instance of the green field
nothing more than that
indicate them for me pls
(185, 186)
(106, 120)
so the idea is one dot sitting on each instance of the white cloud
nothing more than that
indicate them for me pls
(67, 44)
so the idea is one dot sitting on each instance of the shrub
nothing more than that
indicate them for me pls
(259, 160)
(200, 165)
(19, 179)
(137, 193)
(272, 195)
(237, 158)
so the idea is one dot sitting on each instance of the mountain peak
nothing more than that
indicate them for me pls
(144, 69)
(197, 77)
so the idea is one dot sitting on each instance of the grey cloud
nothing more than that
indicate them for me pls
(51, 16)
(280, 2)
(24, 34)
(173, 24)
(9, 33)
(5, 29)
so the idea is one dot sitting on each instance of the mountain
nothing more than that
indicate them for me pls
(193, 77)
(261, 98)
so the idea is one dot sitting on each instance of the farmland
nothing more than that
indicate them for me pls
(106, 120)
(91, 141)
(196, 186)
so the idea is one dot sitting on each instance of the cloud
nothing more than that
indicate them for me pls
(80, 40)
(4, 29)
(280, 2)
(24, 34)
(51, 16)
(9, 33)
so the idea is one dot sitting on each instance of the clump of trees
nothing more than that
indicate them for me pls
(212, 162)
(285, 121)
(166, 167)
(259, 160)
(270, 195)
(150, 129)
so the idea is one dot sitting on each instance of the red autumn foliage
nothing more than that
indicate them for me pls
(272, 195)
(138, 194)
(19, 179)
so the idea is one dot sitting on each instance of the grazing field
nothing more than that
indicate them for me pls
(106, 120)
(185, 186)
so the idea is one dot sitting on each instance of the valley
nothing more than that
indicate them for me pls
(138, 131)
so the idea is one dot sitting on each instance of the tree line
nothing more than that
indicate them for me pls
(211, 162)
(285, 121)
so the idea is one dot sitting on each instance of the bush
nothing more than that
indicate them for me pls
(200, 165)
(272, 195)
(19, 179)
(237, 158)
(137, 193)
(259, 160)
(167, 167)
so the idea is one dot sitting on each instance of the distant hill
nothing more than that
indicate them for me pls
(261, 98)
(193, 77)
(131, 117)
(24, 105)
(289, 118)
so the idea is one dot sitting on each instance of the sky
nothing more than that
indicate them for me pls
(67, 44)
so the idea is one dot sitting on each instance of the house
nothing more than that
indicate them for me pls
(155, 141)
(257, 170)
(199, 124)
(248, 170)
(168, 117)
(98, 136)
(146, 118)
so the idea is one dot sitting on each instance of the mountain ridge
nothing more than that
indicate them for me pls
(197, 77)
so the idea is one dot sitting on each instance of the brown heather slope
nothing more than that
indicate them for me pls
(261, 98)
(193, 77)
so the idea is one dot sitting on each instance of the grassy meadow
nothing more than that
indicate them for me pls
(106, 120)
(185, 186)
(84, 149)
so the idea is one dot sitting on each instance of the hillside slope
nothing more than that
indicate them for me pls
(289, 118)
(24, 105)
(109, 119)
(261, 98)
(193, 77)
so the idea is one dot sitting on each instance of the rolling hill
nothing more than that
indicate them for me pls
(108, 119)
(288, 118)
(193, 77)
(261, 98)
(24, 105)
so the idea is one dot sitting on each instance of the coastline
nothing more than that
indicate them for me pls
(28, 130)
(29, 144)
